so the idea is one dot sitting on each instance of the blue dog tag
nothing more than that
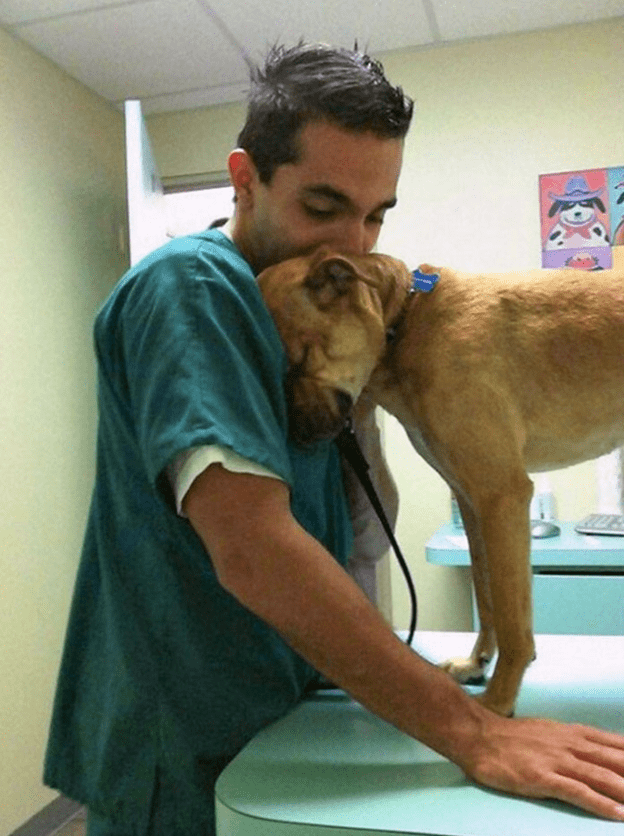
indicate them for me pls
(424, 281)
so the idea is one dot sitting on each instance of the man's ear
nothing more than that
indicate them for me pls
(243, 175)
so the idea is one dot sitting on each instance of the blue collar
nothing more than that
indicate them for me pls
(421, 283)
(424, 282)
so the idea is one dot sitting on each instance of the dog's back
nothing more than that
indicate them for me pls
(547, 346)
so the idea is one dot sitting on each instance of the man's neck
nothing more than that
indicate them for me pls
(228, 229)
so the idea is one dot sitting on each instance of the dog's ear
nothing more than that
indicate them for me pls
(329, 279)
(554, 208)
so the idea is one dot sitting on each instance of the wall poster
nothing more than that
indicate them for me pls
(582, 217)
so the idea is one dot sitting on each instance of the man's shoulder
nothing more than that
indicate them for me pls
(212, 246)
(170, 268)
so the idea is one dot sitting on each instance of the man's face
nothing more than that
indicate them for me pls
(336, 194)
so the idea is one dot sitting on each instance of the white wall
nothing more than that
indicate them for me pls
(491, 115)
(62, 183)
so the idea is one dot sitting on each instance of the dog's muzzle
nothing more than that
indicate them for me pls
(315, 412)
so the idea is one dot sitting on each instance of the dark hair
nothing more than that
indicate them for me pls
(315, 81)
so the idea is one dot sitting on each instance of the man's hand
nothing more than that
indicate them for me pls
(535, 758)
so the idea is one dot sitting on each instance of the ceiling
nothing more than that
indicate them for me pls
(180, 54)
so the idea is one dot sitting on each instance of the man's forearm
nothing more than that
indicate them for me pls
(346, 639)
(288, 579)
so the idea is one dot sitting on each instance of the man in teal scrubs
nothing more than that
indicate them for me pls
(211, 586)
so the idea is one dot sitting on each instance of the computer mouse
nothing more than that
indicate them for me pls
(544, 528)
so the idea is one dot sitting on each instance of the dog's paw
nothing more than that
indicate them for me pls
(465, 671)
(504, 710)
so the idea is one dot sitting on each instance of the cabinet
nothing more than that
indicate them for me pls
(578, 579)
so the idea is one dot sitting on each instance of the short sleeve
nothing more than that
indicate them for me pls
(202, 361)
(187, 466)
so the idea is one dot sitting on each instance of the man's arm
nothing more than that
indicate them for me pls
(275, 569)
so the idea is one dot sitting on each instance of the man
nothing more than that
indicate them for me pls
(211, 590)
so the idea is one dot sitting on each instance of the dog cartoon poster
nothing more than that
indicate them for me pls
(576, 219)
(616, 201)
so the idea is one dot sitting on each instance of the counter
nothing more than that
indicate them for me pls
(578, 579)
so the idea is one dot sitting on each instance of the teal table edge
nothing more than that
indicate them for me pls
(590, 552)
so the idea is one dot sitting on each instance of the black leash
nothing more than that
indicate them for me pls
(350, 449)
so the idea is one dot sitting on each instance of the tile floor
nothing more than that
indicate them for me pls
(76, 827)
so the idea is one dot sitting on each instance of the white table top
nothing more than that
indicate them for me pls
(331, 767)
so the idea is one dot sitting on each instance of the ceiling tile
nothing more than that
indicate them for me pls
(22, 11)
(141, 49)
(458, 19)
(376, 24)
(191, 99)
(178, 54)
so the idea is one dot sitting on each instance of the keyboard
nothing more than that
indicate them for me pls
(601, 524)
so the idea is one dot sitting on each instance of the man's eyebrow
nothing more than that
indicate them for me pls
(323, 190)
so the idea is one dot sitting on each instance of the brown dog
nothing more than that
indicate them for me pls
(492, 376)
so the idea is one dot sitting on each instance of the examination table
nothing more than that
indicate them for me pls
(331, 768)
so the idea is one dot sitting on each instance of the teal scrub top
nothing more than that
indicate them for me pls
(164, 675)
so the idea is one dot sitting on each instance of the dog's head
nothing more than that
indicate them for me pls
(576, 212)
(332, 312)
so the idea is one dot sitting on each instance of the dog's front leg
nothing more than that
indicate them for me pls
(504, 517)
(472, 670)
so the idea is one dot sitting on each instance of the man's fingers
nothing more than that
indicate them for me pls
(592, 777)
(604, 738)
(606, 800)
(597, 774)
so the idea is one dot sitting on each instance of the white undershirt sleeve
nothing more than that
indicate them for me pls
(187, 466)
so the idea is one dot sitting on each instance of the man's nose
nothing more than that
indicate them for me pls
(356, 238)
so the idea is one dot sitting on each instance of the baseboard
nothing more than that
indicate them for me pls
(47, 821)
